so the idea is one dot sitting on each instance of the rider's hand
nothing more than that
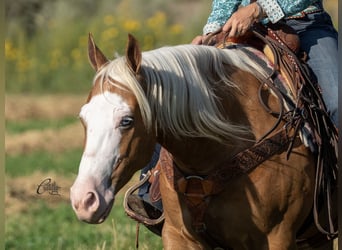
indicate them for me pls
(198, 40)
(208, 39)
(240, 22)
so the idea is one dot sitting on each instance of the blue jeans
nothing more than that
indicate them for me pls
(145, 189)
(319, 40)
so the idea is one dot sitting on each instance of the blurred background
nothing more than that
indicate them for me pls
(46, 40)
(47, 80)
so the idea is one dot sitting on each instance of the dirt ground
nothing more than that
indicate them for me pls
(51, 140)
(19, 108)
(23, 107)
(21, 192)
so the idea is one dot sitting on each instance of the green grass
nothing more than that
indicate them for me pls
(14, 127)
(65, 163)
(43, 227)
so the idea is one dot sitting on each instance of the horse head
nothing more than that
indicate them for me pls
(113, 131)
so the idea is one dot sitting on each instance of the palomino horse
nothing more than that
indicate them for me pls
(201, 104)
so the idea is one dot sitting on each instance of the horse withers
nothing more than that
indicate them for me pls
(201, 104)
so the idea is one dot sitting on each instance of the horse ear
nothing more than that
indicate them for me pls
(96, 57)
(133, 54)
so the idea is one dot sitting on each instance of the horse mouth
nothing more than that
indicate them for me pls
(105, 214)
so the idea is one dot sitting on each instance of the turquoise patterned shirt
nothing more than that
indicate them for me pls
(274, 9)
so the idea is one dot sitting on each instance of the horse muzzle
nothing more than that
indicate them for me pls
(90, 204)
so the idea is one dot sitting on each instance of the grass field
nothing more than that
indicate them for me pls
(43, 135)
(46, 143)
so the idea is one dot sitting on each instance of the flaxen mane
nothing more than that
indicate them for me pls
(180, 82)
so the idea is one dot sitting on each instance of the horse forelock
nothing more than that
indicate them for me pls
(116, 75)
(179, 96)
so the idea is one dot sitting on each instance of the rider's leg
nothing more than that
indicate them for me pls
(141, 204)
(319, 40)
(144, 190)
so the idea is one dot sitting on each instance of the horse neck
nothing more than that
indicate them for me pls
(200, 155)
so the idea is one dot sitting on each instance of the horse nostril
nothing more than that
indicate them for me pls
(75, 206)
(90, 201)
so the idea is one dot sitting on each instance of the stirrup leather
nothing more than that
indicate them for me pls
(140, 217)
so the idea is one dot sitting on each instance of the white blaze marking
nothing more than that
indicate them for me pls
(102, 116)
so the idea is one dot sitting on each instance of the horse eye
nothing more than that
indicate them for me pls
(126, 122)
